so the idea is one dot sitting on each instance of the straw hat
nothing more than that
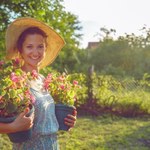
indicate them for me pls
(54, 41)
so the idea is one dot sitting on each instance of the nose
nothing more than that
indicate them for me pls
(35, 51)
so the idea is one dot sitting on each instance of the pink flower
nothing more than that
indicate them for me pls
(61, 78)
(13, 77)
(47, 81)
(49, 76)
(75, 82)
(32, 98)
(46, 85)
(1, 62)
(34, 74)
(62, 87)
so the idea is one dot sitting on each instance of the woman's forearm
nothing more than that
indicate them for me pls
(6, 128)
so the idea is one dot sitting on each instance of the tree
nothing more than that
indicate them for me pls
(125, 56)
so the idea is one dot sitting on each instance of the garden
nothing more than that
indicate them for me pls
(113, 101)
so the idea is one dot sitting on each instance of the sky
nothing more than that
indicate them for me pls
(125, 16)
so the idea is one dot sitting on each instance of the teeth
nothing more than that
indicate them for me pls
(35, 58)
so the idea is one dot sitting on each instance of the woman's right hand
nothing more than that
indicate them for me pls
(22, 122)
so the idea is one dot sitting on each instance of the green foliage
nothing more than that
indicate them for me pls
(82, 93)
(5, 143)
(126, 97)
(127, 55)
(46, 70)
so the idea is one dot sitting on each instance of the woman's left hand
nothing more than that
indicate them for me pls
(70, 120)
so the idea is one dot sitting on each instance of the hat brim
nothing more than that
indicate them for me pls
(54, 41)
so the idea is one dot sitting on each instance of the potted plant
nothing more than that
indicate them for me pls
(63, 91)
(15, 95)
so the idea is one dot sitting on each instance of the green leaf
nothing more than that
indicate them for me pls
(7, 82)
(2, 92)
(12, 93)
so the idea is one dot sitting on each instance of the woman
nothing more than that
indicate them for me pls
(37, 45)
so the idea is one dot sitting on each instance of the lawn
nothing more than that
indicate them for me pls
(103, 133)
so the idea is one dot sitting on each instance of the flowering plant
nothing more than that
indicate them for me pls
(15, 95)
(61, 88)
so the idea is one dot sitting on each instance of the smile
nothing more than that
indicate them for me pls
(35, 58)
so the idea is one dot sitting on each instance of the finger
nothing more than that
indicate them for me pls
(69, 124)
(23, 114)
(71, 117)
(32, 117)
(74, 113)
(70, 120)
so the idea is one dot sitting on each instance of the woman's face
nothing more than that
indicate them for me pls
(33, 51)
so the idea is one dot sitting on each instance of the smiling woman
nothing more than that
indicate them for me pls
(37, 45)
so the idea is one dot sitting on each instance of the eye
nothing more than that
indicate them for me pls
(29, 46)
(41, 46)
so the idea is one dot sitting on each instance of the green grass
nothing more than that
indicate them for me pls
(107, 133)
(103, 133)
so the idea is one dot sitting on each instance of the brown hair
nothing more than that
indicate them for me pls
(29, 31)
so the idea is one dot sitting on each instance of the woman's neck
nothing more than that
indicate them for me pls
(29, 69)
